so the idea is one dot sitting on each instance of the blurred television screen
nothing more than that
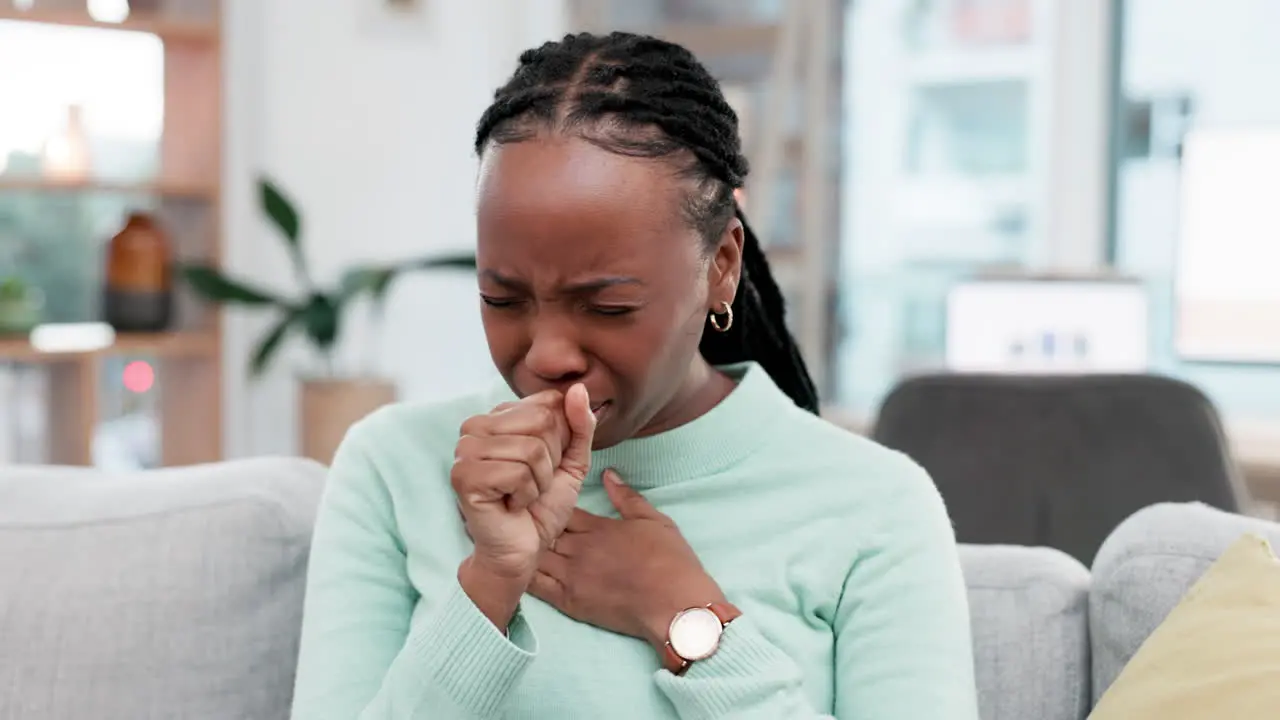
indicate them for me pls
(1047, 326)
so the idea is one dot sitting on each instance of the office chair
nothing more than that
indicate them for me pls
(1059, 461)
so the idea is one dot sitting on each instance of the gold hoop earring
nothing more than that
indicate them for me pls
(727, 311)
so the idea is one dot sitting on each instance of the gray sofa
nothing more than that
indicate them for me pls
(177, 594)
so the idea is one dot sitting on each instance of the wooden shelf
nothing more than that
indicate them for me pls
(192, 191)
(166, 29)
(190, 364)
(187, 196)
(161, 345)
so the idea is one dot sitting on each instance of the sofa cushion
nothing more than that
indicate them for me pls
(1218, 652)
(174, 593)
(1029, 610)
(1144, 569)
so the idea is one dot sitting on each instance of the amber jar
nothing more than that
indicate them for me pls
(139, 283)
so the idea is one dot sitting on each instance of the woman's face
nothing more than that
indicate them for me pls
(589, 273)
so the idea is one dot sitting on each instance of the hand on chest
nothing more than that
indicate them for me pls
(627, 568)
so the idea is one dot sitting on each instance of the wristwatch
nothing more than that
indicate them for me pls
(695, 634)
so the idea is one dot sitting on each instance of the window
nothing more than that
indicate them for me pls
(1196, 84)
(946, 120)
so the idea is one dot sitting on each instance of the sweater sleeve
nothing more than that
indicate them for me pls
(371, 647)
(903, 648)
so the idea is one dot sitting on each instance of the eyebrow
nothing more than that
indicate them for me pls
(586, 286)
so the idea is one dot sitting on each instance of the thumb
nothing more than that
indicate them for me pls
(630, 503)
(576, 459)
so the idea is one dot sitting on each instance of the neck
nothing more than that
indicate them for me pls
(712, 441)
(702, 389)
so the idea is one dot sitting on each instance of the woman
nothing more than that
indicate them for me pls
(647, 519)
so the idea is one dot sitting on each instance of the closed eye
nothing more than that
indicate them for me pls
(499, 302)
(612, 310)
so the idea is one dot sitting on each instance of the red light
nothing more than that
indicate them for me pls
(139, 377)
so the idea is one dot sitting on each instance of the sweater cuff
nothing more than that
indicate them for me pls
(746, 672)
(469, 659)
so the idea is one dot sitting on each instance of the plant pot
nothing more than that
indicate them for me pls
(329, 408)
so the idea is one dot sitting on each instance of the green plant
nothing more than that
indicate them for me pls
(318, 312)
(13, 289)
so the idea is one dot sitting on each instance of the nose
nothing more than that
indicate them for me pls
(554, 354)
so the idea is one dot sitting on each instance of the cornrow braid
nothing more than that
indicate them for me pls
(641, 96)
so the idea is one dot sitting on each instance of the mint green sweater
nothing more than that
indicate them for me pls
(838, 551)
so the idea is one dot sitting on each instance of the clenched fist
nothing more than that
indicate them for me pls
(517, 471)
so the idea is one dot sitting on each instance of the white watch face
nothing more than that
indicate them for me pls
(695, 634)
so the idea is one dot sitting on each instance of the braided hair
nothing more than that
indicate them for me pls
(644, 97)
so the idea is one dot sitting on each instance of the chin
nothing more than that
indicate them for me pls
(606, 437)
(602, 443)
(613, 428)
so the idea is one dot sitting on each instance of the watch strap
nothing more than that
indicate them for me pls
(727, 612)
(672, 662)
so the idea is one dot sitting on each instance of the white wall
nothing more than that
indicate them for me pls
(368, 124)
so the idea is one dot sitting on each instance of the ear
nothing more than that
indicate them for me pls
(725, 271)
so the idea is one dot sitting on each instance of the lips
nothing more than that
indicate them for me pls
(600, 409)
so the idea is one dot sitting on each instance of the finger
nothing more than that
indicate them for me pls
(523, 418)
(524, 495)
(631, 505)
(582, 521)
(466, 527)
(565, 545)
(534, 419)
(512, 448)
(477, 482)
(549, 398)
(554, 564)
(582, 427)
(547, 589)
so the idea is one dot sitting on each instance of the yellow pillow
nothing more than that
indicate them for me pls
(1217, 655)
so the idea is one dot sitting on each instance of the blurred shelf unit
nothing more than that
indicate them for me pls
(167, 190)
(167, 28)
(157, 345)
(181, 188)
